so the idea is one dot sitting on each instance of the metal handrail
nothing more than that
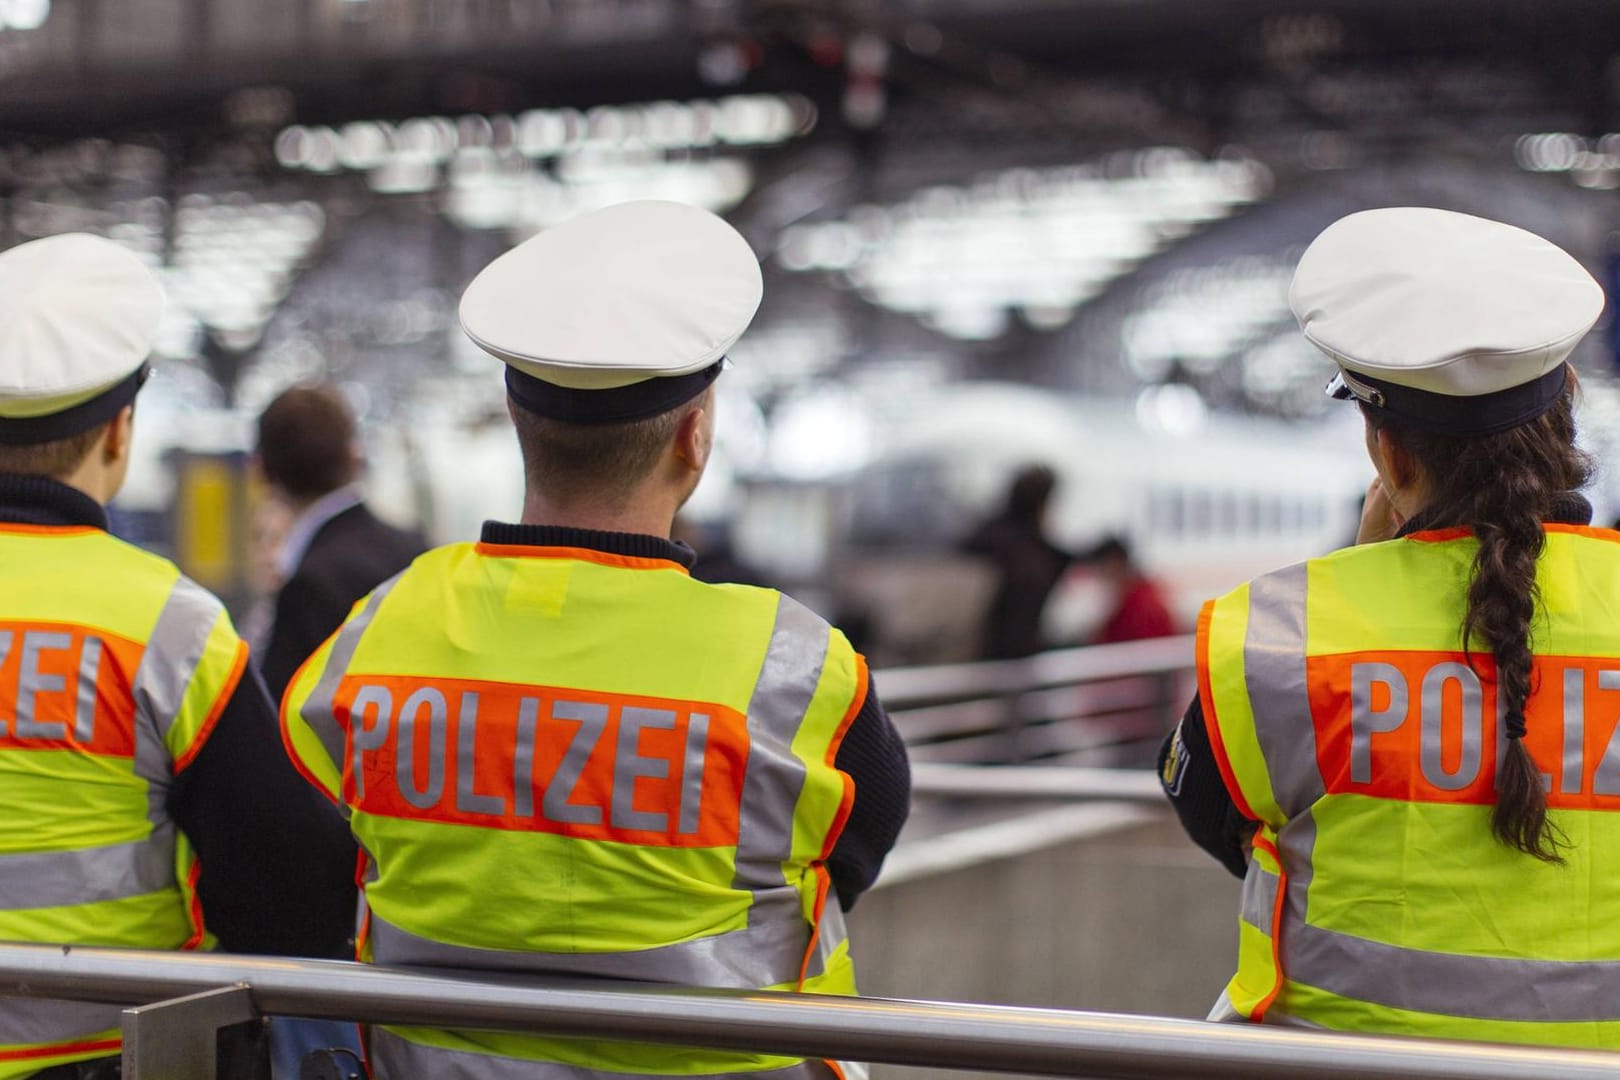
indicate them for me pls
(943, 1035)
(905, 687)
(1035, 782)
(1098, 704)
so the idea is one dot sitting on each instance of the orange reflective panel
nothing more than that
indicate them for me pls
(66, 687)
(648, 771)
(1423, 727)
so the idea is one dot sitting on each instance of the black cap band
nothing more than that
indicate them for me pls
(620, 405)
(1452, 414)
(33, 430)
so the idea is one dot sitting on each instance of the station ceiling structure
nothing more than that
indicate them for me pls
(1099, 194)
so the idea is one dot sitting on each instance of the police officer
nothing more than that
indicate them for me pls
(1419, 732)
(561, 753)
(147, 803)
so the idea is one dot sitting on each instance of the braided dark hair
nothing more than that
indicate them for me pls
(1503, 487)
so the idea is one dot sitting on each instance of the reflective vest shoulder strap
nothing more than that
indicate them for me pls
(310, 730)
(191, 666)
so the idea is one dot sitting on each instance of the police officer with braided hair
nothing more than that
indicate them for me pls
(561, 753)
(1409, 748)
(147, 801)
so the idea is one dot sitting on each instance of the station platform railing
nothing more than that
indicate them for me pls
(1096, 706)
(178, 1002)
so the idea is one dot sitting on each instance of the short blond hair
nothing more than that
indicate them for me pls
(56, 459)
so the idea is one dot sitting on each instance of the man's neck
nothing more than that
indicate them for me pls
(90, 482)
(646, 517)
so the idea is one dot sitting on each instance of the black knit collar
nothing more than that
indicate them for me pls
(39, 500)
(634, 545)
(1568, 509)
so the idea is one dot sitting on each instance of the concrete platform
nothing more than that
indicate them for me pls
(1099, 906)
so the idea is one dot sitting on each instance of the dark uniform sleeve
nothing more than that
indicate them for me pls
(1192, 780)
(277, 859)
(307, 612)
(874, 757)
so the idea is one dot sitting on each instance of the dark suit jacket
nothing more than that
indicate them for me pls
(347, 557)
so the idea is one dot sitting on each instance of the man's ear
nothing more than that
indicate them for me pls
(694, 439)
(120, 430)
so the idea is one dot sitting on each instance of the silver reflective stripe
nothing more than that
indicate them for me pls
(1274, 672)
(172, 654)
(1259, 898)
(1296, 847)
(1481, 987)
(830, 934)
(395, 1058)
(767, 952)
(320, 708)
(774, 777)
(87, 875)
(42, 1020)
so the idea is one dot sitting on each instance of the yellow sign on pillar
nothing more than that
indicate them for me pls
(208, 520)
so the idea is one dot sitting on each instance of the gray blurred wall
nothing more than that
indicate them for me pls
(1130, 918)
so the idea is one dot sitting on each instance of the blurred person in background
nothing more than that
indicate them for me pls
(146, 799)
(334, 550)
(1028, 566)
(1139, 609)
(630, 773)
(1405, 747)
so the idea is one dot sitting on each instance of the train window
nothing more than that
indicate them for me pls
(1200, 514)
(1167, 512)
(1290, 516)
(1249, 524)
(1270, 515)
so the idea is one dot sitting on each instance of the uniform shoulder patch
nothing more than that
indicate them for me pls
(1174, 768)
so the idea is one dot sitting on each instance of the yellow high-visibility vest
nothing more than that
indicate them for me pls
(1346, 717)
(559, 760)
(113, 670)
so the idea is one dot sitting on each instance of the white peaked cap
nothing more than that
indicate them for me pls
(633, 292)
(78, 318)
(1445, 304)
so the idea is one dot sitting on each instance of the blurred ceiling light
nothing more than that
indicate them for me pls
(1591, 164)
(1551, 152)
(740, 120)
(232, 264)
(363, 146)
(1200, 319)
(529, 171)
(24, 14)
(1040, 241)
(1174, 409)
(788, 353)
(820, 434)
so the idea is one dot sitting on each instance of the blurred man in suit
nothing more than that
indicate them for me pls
(335, 550)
